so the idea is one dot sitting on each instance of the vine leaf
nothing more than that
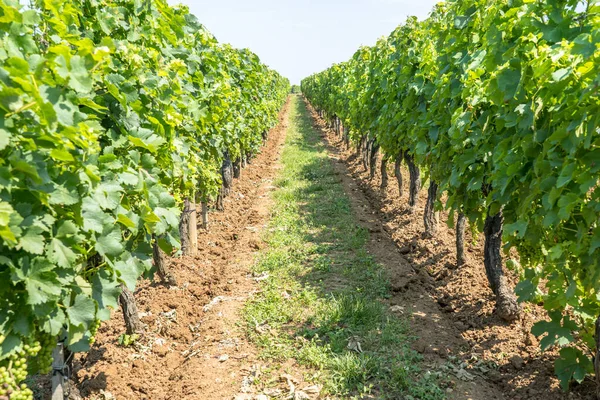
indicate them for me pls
(82, 311)
(41, 282)
(572, 364)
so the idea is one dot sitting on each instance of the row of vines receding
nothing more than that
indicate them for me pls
(115, 116)
(496, 104)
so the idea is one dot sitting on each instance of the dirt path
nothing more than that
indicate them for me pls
(452, 310)
(193, 348)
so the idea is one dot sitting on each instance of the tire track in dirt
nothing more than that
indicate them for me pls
(452, 310)
(193, 347)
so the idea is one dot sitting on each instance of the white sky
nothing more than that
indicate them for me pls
(300, 37)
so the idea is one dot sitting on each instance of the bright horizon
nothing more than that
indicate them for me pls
(299, 39)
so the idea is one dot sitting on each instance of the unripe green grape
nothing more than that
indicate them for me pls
(94, 330)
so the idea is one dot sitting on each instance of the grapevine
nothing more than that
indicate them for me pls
(498, 103)
(111, 114)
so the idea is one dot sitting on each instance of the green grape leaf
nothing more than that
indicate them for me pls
(110, 243)
(54, 321)
(129, 272)
(33, 241)
(561, 74)
(60, 254)
(41, 282)
(557, 333)
(22, 325)
(565, 175)
(80, 79)
(519, 227)
(10, 345)
(78, 338)
(63, 196)
(106, 292)
(572, 364)
(82, 312)
(94, 219)
(4, 138)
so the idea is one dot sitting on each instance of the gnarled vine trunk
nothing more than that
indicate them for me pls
(398, 173)
(227, 174)
(384, 174)
(161, 262)
(430, 216)
(460, 239)
(415, 180)
(373, 158)
(347, 137)
(219, 205)
(237, 168)
(205, 215)
(506, 302)
(265, 136)
(365, 152)
(227, 179)
(360, 146)
(336, 124)
(130, 311)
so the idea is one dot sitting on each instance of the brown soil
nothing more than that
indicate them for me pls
(452, 310)
(192, 347)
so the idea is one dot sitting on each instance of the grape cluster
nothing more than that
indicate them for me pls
(34, 357)
(529, 254)
(42, 363)
(13, 370)
(94, 330)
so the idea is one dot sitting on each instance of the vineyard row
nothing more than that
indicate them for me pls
(116, 117)
(496, 104)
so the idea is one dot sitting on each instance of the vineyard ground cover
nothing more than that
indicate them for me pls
(452, 309)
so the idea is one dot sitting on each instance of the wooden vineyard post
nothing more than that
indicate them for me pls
(188, 230)
(58, 368)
